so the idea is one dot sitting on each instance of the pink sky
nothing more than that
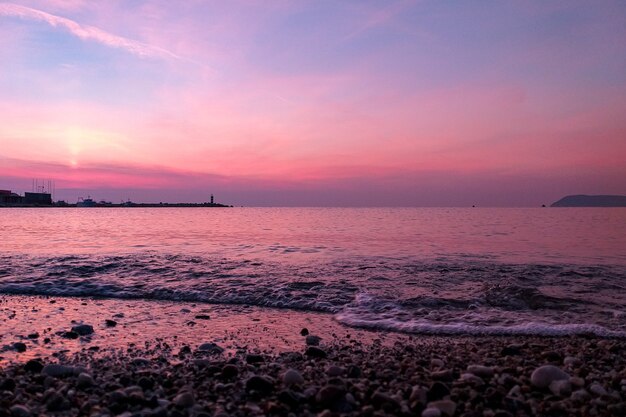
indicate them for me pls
(314, 103)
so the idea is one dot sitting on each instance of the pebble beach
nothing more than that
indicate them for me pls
(300, 365)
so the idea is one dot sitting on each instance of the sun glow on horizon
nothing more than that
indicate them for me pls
(322, 97)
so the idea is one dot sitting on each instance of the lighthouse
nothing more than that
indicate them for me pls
(211, 198)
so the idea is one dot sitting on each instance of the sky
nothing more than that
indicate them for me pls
(314, 103)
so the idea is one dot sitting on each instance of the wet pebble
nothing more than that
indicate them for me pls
(254, 358)
(83, 329)
(19, 347)
(34, 366)
(315, 352)
(210, 348)
(313, 340)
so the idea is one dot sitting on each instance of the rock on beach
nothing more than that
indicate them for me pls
(83, 329)
(543, 376)
(292, 377)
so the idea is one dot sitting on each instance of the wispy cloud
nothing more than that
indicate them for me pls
(86, 32)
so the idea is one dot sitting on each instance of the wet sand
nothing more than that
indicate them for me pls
(182, 359)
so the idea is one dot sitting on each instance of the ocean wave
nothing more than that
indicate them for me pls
(369, 312)
(460, 329)
(395, 294)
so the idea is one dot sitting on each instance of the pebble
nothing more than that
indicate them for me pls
(259, 383)
(145, 383)
(437, 391)
(436, 363)
(19, 346)
(84, 380)
(229, 371)
(481, 371)
(140, 361)
(515, 392)
(304, 331)
(83, 329)
(313, 340)
(418, 396)
(379, 399)
(57, 402)
(34, 366)
(577, 381)
(292, 377)
(543, 376)
(20, 411)
(446, 407)
(571, 361)
(511, 350)
(472, 379)
(315, 352)
(443, 375)
(597, 389)
(58, 371)
(431, 412)
(110, 323)
(211, 348)
(353, 371)
(334, 370)
(329, 394)
(561, 387)
(580, 395)
(254, 358)
(184, 400)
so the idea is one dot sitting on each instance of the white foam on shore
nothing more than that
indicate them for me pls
(458, 328)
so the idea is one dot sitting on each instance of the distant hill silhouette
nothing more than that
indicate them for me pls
(591, 201)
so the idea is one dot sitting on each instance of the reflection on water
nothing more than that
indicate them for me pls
(531, 271)
(520, 235)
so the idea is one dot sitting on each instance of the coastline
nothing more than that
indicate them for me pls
(233, 360)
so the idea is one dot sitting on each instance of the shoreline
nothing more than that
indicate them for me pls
(239, 360)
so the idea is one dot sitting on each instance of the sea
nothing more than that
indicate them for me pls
(441, 271)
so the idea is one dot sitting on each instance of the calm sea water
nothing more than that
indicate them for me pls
(449, 271)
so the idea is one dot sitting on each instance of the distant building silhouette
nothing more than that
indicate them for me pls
(43, 199)
(8, 197)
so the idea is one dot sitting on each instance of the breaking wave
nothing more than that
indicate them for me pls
(392, 294)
